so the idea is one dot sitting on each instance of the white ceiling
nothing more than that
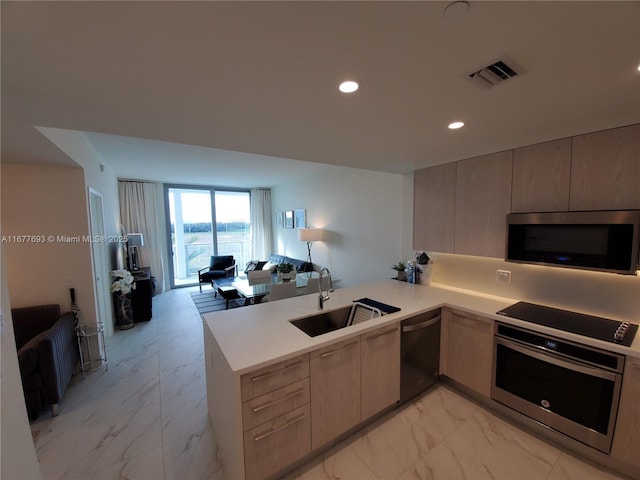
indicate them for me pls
(209, 92)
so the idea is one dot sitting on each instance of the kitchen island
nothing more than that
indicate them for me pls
(248, 346)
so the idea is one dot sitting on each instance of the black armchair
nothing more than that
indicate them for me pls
(220, 266)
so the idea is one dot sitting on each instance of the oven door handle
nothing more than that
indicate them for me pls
(556, 360)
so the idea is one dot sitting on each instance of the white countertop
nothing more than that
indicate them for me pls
(252, 337)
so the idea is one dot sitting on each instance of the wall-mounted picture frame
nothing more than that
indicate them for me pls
(300, 219)
(279, 219)
(288, 219)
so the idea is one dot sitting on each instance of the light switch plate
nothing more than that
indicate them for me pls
(503, 276)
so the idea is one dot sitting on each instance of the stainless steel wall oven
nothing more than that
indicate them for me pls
(571, 388)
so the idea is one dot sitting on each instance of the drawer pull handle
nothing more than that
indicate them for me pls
(289, 395)
(268, 374)
(331, 352)
(293, 421)
(382, 334)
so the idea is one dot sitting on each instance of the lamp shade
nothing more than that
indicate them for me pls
(135, 240)
(310, 234)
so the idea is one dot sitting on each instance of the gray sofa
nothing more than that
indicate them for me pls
(47, 354)
(300, 265)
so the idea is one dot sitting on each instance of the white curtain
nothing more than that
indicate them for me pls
(141, 212)
(261, 223)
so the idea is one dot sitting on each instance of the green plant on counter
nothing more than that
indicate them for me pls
(399, 267)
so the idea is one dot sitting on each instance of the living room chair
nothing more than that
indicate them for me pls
(220, 266)
(257, 277)
(280, 291)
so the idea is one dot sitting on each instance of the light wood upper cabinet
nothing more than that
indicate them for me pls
(541, 176)
(483, 199)
(380, 363)
(626, 439)
(466, 350)
(434, 208)
(335, 390)
(605, 168)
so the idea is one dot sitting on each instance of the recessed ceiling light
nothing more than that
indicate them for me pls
(348, 86)
(639, 68)
(456, 125)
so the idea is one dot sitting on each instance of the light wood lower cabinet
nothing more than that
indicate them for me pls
(272, 446)
(626, 438)
(335, 390)
(276, 416)
(466, 349)
(380, 365)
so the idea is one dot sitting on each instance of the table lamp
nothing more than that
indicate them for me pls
(134, 240)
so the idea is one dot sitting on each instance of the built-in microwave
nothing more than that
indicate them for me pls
(596, 240)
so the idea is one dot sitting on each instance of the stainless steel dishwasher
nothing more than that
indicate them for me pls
(420, 353)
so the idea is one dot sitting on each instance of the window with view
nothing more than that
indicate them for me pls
(205, 221)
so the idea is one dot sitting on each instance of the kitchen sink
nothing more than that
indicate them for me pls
(324, 322)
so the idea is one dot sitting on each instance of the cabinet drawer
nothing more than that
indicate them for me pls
(278, 443)
(274, 376)
(273, 404)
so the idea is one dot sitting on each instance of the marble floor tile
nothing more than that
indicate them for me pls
(184, 415)
(392, 447)
(122, 398)
(182, 379)
(337, 463)
(485, 447)
(193, 458)
(55, 452)
(146, 466)
(116, 439)
(570, 468)
(438, 412)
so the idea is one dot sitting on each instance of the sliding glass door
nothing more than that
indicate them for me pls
(205, 221)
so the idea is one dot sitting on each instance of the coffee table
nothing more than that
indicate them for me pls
(255, 293)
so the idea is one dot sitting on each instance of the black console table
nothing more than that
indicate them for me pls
(141, 295)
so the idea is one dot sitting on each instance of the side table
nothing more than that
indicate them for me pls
(84, 334)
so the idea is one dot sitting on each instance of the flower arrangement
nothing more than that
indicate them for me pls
(124, 283)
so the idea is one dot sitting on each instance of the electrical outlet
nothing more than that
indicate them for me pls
(503, 276)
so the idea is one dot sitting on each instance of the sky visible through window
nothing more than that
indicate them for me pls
(196, 206)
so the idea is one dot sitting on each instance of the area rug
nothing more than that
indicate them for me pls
(206, 302)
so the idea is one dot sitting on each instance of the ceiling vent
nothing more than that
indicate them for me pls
(493, 74)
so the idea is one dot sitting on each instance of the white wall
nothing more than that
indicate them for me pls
(361, 212)
(99, 177)
(19, 459)
(603, 294)
(47, 201)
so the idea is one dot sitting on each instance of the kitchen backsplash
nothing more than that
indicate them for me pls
(603, 294)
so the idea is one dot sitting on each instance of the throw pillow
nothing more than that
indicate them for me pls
(251, 265)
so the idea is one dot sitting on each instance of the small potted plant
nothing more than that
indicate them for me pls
(286, 271)
(401, 268)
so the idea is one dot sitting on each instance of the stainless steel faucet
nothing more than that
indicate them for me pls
(321, 296)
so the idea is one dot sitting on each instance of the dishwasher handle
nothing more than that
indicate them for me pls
(421, 325)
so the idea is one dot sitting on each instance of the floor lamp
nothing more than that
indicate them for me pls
(309, 235)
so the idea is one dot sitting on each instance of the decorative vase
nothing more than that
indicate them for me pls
(124, 312)
(402, 276)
